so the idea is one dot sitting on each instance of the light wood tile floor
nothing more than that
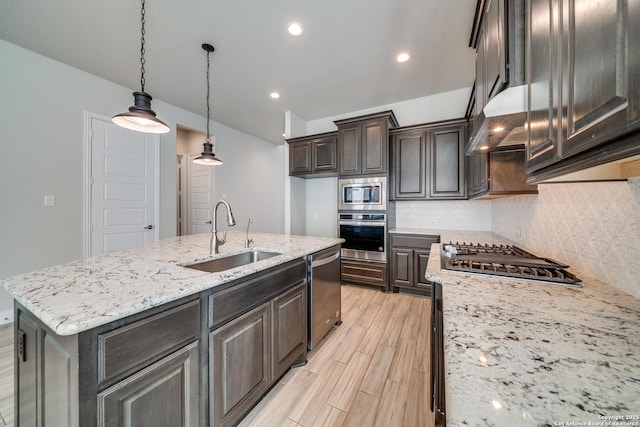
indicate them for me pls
(373, 370)
(6, 375)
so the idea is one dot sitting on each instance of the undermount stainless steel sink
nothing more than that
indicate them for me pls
(217, 265)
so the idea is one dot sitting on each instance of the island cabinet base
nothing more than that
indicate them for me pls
(203, 360)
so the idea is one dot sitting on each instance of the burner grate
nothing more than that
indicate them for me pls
(506, 261)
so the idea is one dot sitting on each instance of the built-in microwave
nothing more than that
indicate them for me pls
(362, 194)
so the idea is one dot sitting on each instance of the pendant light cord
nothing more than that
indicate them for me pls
(142, 49)
(208, 107)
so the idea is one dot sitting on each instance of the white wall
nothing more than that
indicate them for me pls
(592, 226)
(442, 106)
(322, 207)
(42, 105)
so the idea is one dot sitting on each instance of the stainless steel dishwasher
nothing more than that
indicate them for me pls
(325, 306)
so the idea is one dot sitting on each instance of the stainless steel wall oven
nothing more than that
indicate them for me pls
(365, 236)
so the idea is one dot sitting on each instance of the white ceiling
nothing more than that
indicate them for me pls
(343, 61)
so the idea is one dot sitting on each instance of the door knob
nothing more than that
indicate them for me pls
(149, 227)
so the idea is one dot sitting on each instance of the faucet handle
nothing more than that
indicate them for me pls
(224, 238)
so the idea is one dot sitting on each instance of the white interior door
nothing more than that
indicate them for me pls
(200, 196)
(123, 187)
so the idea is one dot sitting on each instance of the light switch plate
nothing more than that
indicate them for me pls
(49, 200)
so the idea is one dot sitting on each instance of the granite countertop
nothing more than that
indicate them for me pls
(519, 353)
(81, 295)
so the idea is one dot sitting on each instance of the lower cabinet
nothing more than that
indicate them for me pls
(409, 258)
(252, 351)
(364, 273)
(240, 371)
(249, 352)
(164, 394)
(221, 349)
(142, 371)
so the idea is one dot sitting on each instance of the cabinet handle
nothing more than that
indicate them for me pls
(22, 345)
(149, 227)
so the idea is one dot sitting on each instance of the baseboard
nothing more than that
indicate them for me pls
(6, 316)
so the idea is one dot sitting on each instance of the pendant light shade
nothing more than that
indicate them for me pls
(140, 116)
(207, 157)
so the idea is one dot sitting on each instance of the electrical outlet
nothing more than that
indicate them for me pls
(49, 200)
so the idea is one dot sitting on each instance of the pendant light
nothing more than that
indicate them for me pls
(207, 157)
(140, 116)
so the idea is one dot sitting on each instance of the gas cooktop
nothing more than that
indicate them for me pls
(506, 261)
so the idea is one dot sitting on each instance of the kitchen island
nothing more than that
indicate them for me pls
(519, 353)
(134, 336)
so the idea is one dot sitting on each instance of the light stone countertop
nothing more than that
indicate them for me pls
(519, 353)
(81, 295)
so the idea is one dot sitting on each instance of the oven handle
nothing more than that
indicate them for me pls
(363, 223)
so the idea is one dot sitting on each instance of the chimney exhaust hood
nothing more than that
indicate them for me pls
(499, 36)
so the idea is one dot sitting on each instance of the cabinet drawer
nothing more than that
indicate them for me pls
(418, 242)
(233, 301)
(138, 343)
(368, 273)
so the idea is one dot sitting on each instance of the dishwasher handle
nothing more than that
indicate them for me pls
(326, 260)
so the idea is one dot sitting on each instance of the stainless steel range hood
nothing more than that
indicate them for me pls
(502, 120)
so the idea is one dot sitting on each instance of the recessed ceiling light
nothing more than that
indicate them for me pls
(498, 129)
(294, 29)
(274, 95)
(403, 57)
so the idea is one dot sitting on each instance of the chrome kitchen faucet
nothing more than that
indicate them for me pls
(215, 242)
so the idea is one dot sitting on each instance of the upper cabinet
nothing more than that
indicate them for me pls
(363, 144)
(427, 161)
(583, 81)
(499, 104)
(313, 156)
(498, 174)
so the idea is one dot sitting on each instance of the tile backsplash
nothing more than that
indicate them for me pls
(592, 226)
(445, 214)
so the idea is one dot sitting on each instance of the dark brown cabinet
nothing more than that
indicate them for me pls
(409, 258)
(240, 370)
(498, 174)
(364, 273)
(428, 162)
(258, 331)
(583, 83)
(144, 370)
(363, 144)
(313, 156)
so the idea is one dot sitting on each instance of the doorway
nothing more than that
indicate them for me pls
(195, 187)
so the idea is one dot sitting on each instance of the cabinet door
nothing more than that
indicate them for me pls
(600, 73)
(300, 157)
(481, 73)
(420, 261)
(349, 149)
(375, 145)
(542, 136)
(447, 162)
(325, 154)
(494, 31)
(26, 371)
(240, 365)
(165, 394)
(409, 165)
(289, 328)
(402, 267)
(478, 177)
